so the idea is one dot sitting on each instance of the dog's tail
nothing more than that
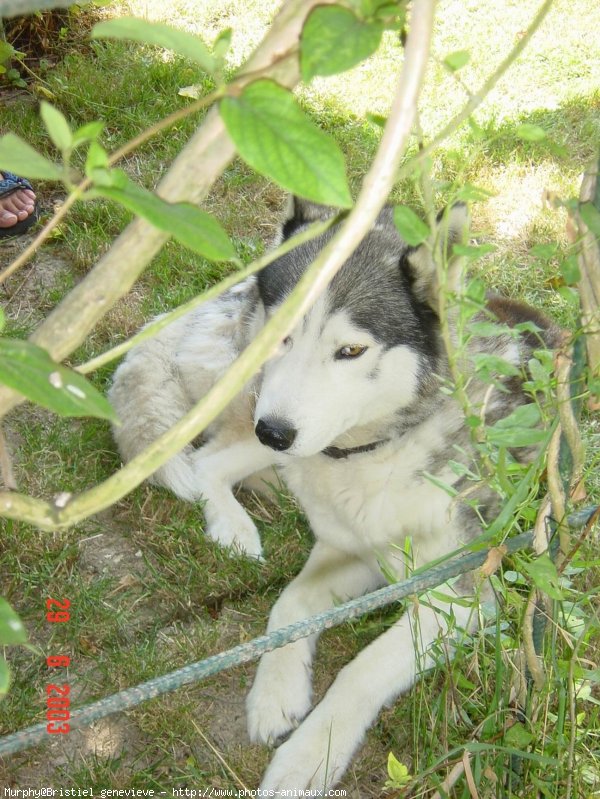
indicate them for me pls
(149, 399)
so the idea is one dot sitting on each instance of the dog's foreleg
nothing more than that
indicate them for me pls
(217, 468)
(282, 690)
(319, 751)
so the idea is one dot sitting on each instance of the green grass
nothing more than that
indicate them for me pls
(149, 592)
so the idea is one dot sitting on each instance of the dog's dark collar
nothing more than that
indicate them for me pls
(339, 453)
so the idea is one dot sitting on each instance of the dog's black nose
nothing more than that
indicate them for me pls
(275, 433)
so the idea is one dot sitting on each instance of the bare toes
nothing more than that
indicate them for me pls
(7, 219)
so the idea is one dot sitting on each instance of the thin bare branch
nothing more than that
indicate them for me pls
(6, 470)
(311, 232)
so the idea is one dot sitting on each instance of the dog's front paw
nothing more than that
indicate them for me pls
(281, 694)
(236, 531)
(314, 758)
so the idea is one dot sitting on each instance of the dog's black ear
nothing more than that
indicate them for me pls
(452, 226)
(302, 212)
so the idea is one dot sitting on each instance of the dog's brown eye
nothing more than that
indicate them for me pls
(350, 351)
(287, 341)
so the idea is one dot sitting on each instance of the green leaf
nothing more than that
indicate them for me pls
(29, 369)
(442, 484)
(529, 327)
(12, 630)
(412, 229)
(377, 119)
(523, 416)
(4, 677)
(57, 126)
(477, 131)
(2, 318)
(539, 372)
(569, 269)
(569, 294)
(473, 251)
(491, 366)
(18, 156)
(475, 289)
(462, 681)
(159, 34)
(471, 193)
(456, 60)
(185, 222)
(88, 132)
(545, 252)
(397, 772)
(544, 575)
(488, 329)
(460, 470)
(593, 675)
(96, 158)
(274, 136)
(393, 15)
(369, 8)
(334, 40)
(518, 736)
(7, 51)
(515, 436)
(529, 132)
(222, 43)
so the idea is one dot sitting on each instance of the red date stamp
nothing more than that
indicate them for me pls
(57, 695)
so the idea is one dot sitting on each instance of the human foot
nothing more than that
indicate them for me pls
(17, 204)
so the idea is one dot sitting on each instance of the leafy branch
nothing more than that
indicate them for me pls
(190, 178)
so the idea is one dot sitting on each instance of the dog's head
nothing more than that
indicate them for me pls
(364, 349)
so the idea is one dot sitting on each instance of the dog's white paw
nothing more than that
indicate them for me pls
(236, 531)
(281, 694)
(314, 758)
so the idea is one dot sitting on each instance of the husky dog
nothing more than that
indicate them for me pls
(350, 411)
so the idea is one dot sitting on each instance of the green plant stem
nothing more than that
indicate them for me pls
(376, 187)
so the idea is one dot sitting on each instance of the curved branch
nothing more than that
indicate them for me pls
(376, 187)
(190, 178)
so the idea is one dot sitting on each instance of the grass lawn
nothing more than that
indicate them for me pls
(148, 592)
